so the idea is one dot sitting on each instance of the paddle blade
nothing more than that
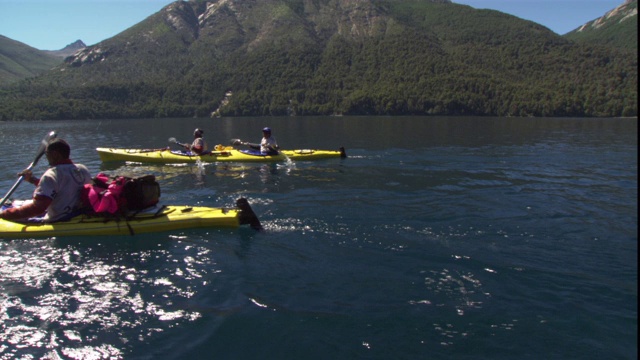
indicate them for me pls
(43, 146)
(235, 142)
(174, 141)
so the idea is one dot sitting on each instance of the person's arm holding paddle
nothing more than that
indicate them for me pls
(39, 203)
(28, 177)
(267, 145)
(36, 207)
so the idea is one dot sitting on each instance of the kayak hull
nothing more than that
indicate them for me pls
(155, 219)
(167, 156)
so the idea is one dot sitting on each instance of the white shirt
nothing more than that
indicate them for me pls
(65, 179)
(267, 144)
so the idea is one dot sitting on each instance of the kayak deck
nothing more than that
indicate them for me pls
(166, 156)
(154, 219)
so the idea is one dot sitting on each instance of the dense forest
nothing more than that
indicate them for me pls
(325, 57)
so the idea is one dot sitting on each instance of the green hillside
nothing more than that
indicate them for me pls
(322, 57)
(18, 61)
(617, 28)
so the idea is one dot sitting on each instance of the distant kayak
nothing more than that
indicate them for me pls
(166, 155)
(155, 219)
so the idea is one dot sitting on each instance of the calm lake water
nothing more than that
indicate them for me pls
(437, 238)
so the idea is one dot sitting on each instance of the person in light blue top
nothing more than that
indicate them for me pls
(268, 145)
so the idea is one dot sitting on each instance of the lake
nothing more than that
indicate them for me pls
(437, 238)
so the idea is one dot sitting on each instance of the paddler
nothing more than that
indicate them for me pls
(57, 193)
(199, 146)
(268, 144)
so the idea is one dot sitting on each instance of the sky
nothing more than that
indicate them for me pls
(54, 24)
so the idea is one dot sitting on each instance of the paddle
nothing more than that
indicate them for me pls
(236, 142)
(41, 149)
(174, 141)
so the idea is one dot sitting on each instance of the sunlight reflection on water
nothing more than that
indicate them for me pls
(55, 299)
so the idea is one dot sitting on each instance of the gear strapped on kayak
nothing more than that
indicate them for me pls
(122, 194)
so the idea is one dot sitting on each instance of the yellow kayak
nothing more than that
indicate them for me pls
(155, 219)
(167, 156)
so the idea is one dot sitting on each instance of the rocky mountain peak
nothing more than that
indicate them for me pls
(68, 50)
(76, 45)
(624, 12)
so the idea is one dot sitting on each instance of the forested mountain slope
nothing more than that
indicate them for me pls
(308, 57)
(618, 27)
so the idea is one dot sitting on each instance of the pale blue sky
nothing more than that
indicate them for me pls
(53, 24)
(561, 16)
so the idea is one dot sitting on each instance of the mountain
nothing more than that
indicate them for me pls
(18, 61)
(618, 27)
(68, 50)
(322, 57)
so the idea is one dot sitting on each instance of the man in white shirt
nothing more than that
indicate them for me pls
(57, 193)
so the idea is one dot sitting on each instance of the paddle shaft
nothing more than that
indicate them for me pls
(14, 187)
(240, 142)
(173, 140)
(41, 150)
